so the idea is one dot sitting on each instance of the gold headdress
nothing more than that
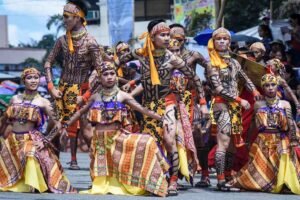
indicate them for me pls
(30, 70)
(106, 66)
(268, 78)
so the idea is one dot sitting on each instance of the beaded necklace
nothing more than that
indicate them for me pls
(111, 97)
(26, 99)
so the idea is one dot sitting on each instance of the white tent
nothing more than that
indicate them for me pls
(275, 27)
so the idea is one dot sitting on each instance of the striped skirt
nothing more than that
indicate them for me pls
(127, 163)
(24, 169)
(272, 165)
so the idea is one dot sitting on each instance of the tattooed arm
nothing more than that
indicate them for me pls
(292, 125)
(128, 99)
(200, 60)
(182, 66)
(138, 90)
(57, 49)
(53, 119)
(95, 53)
(126, 57)
(290, 94)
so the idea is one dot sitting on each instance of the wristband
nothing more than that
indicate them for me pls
(202, 101)
(132, 83)
(86, 96)
(50, 86)
(238, 99)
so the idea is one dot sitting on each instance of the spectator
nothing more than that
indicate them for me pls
(265, 33)
(258, 49)
(295, 41)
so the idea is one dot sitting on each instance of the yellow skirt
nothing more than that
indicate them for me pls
(110, 185)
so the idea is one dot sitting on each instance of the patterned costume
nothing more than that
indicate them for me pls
(81, 55)
(273, 164)
(223, 76)
(22, 167)
(123, 162)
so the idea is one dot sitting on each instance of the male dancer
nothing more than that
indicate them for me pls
(193, 58)
(158, 64)
(223, 76)
(81, 54)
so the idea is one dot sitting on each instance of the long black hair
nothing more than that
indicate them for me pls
(266, 29)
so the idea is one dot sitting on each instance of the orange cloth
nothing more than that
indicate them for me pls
(147, 51)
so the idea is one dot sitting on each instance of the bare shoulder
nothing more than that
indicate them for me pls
(285, 104)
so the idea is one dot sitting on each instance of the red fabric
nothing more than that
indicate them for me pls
(211, 156)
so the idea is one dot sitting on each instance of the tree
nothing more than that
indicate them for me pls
(220, 6)
(56, 20)
(243, 14)
(31, 62)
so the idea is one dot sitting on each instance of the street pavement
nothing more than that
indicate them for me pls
(80, 179)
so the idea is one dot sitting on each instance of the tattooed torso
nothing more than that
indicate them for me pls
(164, 69)
(78, 66)
(224, 82)
(193, 58)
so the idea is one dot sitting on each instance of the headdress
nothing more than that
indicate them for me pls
(30, 70)
(149, 47)
(119, 48)
(177, 33)
(71, 9)
(279, 66)
(258, 45)
(215, 58)
(106, 66)
(268, 78)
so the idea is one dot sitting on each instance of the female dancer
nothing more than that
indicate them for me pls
(273, 165)
(27, 159)
(121, 162)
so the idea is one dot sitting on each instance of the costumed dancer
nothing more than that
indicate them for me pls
(188, 160)
(192, 58)
(273, 165)
(122, 162)
(128, 77)
(81, 55)
(27, 158)
(157, 65)
(223, 76)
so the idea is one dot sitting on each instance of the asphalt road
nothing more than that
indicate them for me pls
(81, 180)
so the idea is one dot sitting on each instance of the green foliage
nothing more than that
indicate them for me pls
(243, 14)
(199, 22)
(31, 62)
(56, 20)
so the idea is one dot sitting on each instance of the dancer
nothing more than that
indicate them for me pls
(157, 65)
(223, 76)
(193, 58)
(81, 54)
(273, 165)
(121, 162)
(27, 158)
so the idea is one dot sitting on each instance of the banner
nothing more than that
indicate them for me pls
(183, 10)
(120, 20)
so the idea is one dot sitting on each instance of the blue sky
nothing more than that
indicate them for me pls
(27, 19)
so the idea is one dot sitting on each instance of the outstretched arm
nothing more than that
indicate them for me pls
(290, 94)
(128, 99)
(200, 60)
